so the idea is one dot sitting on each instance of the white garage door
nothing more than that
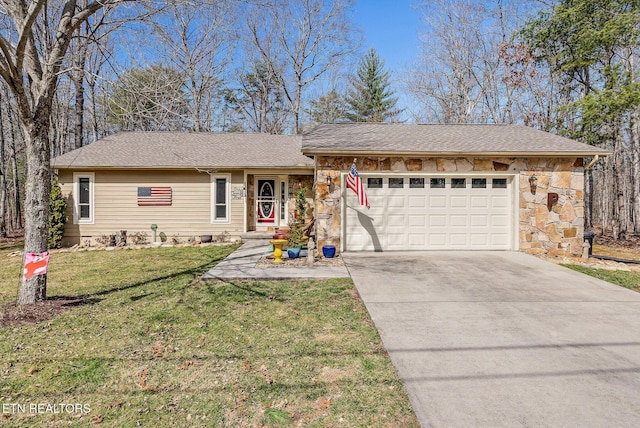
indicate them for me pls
(429, 213)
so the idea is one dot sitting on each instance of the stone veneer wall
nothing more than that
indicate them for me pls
(554, 232)
(294, 184)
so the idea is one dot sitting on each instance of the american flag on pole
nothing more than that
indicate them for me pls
(354, 182)
(154, 196)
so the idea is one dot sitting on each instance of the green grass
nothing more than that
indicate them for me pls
(156, 347)
(630, 280)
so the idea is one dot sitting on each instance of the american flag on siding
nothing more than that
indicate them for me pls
(354, 182)
(154, 196)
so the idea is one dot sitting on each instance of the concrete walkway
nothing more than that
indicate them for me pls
(503, 339)
(241, 264)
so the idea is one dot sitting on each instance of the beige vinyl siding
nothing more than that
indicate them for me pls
(115, 204)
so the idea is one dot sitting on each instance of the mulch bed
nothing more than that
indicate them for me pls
(301, 262)
(13, 314)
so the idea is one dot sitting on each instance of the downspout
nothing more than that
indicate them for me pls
(593, 161)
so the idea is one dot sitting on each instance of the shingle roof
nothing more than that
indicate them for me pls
(496, 140)
(187, 150)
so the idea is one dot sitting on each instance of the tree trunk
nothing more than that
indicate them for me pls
(618, 223)
(36, 202)
(3, 184)
(635, 171)
(195, 115)
(78, 83)
(17, 206)
(3, 207)
(95, 128)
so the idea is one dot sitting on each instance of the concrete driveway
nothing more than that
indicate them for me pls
(504, 339)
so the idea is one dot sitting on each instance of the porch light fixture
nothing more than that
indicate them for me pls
(329, 180)
(299, 184)
(533, 183)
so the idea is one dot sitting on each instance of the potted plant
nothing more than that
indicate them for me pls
(294, 242)
(329, 251)
(296, 232)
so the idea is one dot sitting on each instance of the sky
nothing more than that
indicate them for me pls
(391, 27)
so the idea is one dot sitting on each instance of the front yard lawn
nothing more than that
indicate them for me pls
(630, 280)
(146, 344)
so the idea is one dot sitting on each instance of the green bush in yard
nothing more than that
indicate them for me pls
(57, 219)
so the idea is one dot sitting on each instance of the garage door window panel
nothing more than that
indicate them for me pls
(374, 182)
(499, 183)
(479, 183)
(437, 183)
(458, 183)
(416, 183)
(396, 183)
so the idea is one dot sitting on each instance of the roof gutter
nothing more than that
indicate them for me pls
(454, 154)
(177, 168)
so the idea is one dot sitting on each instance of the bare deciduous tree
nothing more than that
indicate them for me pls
(301, 40)
(258, 102)
(149, 99)
(449, 79)
(469, 69)
(197, 40)
(34, 40)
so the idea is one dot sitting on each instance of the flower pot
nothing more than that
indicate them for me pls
(329, 251)
(206, 238)
(293, 253)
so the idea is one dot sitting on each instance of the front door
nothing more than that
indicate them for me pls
(267, 203)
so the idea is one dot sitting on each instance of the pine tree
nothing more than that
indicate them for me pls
(370, 98)
(329, 108)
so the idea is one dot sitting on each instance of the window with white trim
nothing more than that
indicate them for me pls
(283, 202)
(83, 198)
(220, 201)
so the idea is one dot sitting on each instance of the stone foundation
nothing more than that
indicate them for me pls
(558, 231)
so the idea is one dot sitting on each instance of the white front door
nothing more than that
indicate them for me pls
(429, 212)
